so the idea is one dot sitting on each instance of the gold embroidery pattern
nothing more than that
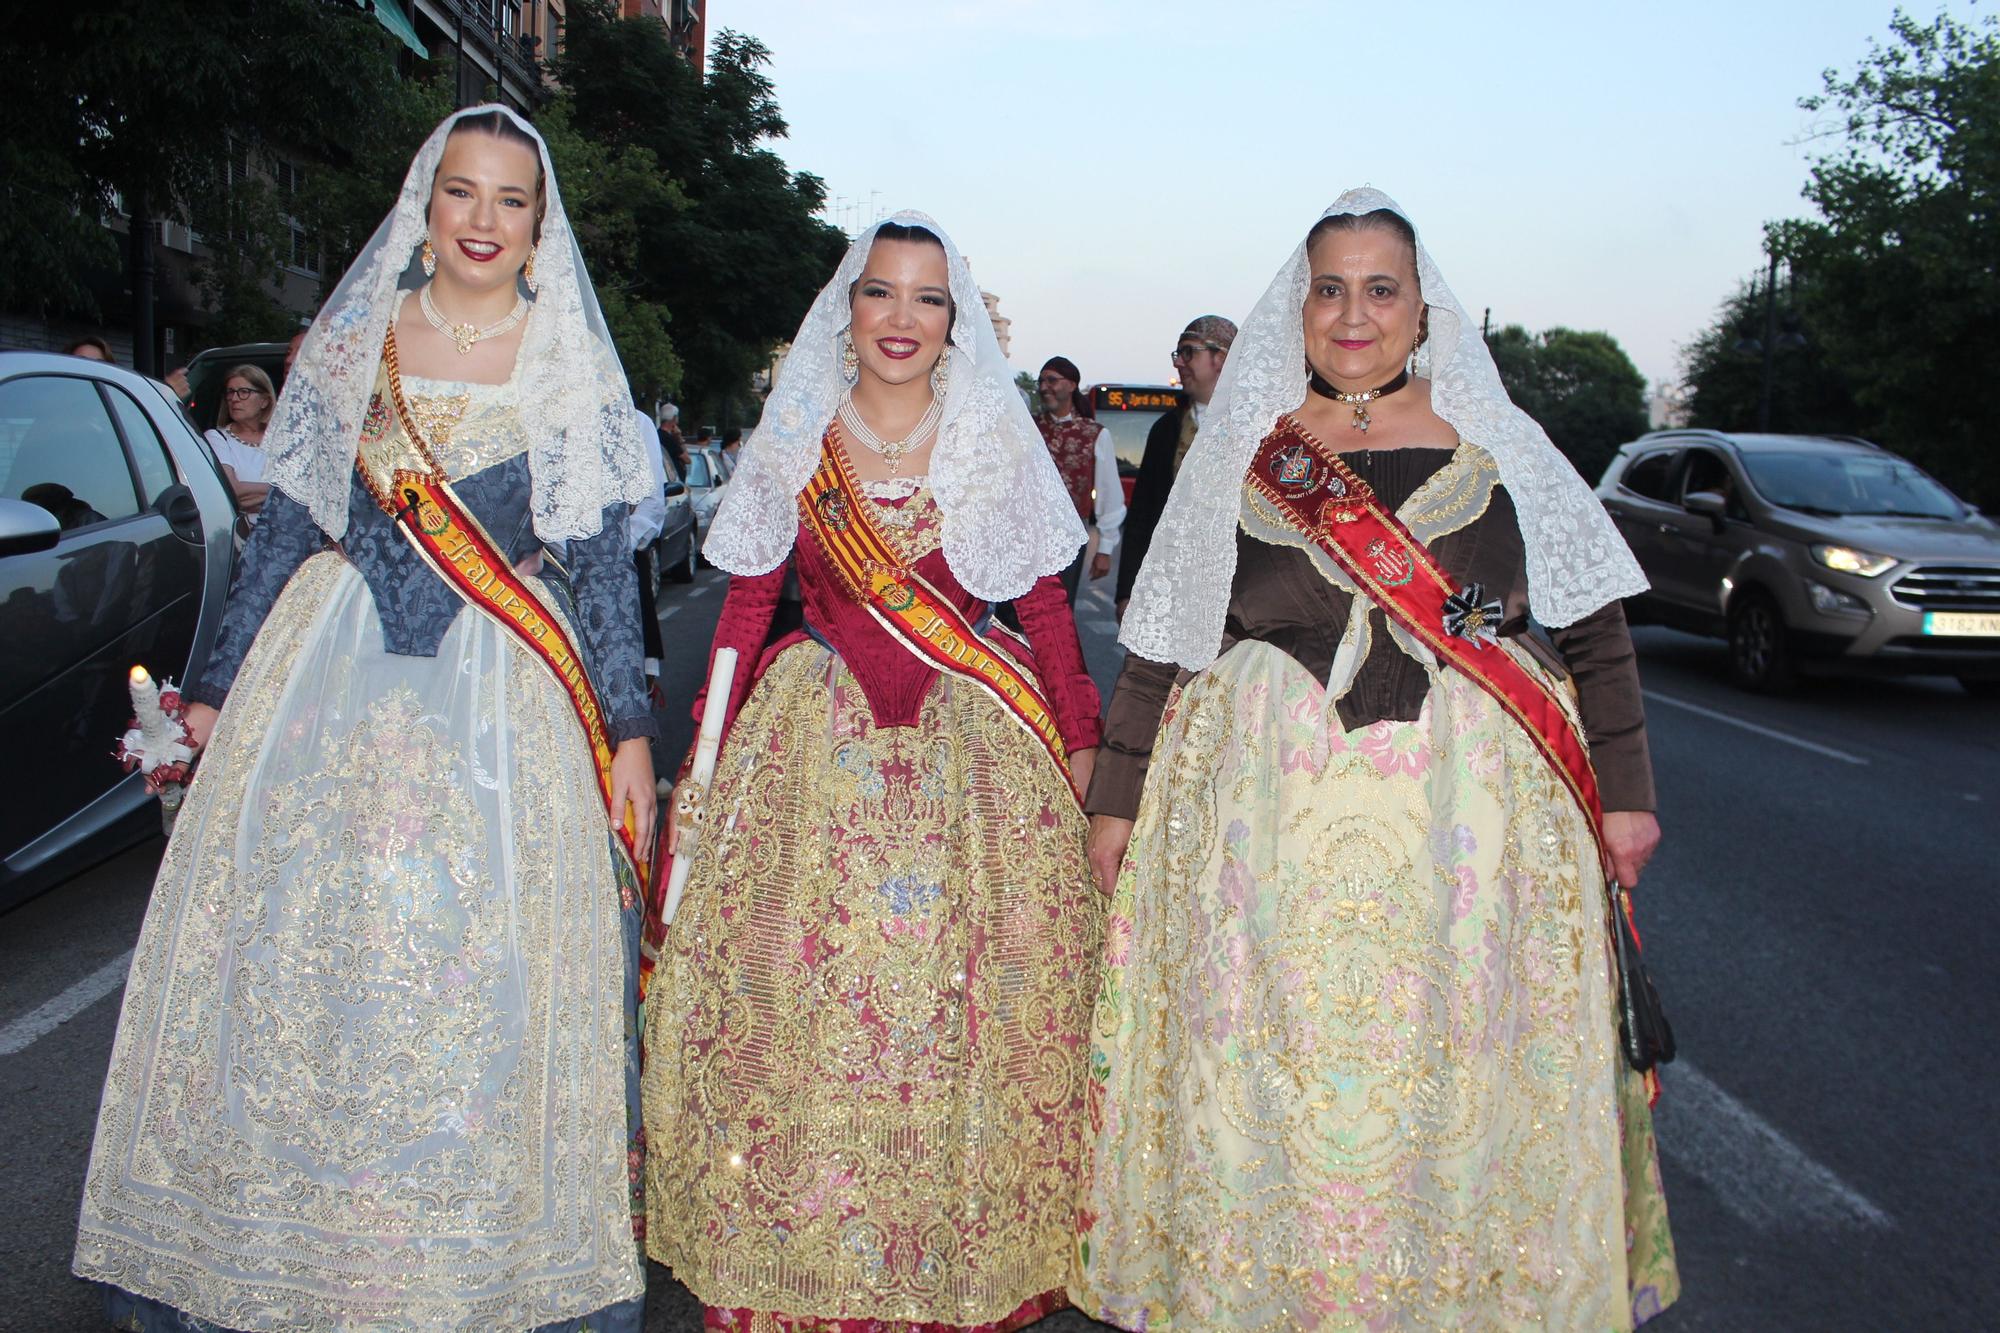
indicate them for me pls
(865, 1068)
(375, 1019)
(1354, 1057)
(470, 427)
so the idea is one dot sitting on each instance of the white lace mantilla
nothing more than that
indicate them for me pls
(1576, 561)
(585, 449)
(1007, 519)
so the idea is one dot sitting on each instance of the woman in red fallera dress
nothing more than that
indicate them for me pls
(866, 1036)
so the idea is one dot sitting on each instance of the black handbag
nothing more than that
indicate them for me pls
(1643, 1029)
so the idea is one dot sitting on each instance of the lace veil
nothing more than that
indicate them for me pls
(585, 451)
(1576, 561)
(1006, 519)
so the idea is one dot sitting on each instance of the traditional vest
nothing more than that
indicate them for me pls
(1073, 444)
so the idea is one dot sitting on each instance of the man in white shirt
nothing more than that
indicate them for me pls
(1084, 459)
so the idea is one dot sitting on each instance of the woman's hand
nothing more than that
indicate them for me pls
(1082, 763)
(632, 783)
(1630, 837)
(1109, 837)
(200, 721)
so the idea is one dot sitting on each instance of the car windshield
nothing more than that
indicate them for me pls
(1849, 484)
(698, 470)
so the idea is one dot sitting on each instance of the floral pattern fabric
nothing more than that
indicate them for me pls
(1354, 1062)
(865, 1041)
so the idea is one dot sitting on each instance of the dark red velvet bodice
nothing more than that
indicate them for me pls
(889, 674)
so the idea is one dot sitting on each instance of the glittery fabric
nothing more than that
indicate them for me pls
(1354, 1062)
(371, 1068)
(865, 1043)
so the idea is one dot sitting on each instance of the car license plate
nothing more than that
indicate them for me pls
(1968, 624)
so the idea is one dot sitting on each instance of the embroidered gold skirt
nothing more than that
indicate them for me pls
(370, 1069)
(865, 1042)
(1354, 1063)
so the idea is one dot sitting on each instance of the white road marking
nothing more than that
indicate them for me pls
(698, 589)
(668, 612)
(1104, 625)
(1734, 721)
(39, 1022)
(1756, 1172)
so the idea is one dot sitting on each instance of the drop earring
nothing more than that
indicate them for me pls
(941, 375)
(430, 257)
(850, 360)
(1415, 343)
(528, 270)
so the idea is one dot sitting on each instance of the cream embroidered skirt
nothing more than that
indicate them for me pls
(1354, 1063)
(865, 1057)
(370, 1069)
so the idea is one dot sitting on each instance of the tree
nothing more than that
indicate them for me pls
(735, 250)
(1723, 369)
(1904, 258)
(147, 105)
(1580, 386)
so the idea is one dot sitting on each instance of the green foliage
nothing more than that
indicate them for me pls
(1898, 278)
(1726, 379)
(1580, 386)
(734, 249)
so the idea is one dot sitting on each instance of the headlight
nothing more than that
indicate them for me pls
(1850, 561)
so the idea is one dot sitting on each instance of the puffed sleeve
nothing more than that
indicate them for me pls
(282, 541)
(1051, 629)
(607, 608)
(745, 622)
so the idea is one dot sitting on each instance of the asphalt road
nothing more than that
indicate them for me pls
(1820, 918)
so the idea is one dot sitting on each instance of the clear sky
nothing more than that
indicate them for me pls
(1114, 167)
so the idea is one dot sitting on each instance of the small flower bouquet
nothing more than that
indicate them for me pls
(157, 743)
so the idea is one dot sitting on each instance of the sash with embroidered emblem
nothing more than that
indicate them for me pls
(397, 466)
(918, 616)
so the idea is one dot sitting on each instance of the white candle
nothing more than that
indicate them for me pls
(707, 745)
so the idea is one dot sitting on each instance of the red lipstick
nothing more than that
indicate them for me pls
(897, 349)
(478, 256)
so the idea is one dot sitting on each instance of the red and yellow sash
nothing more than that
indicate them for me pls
(1343, 516)
(396, 464)
(916, 615)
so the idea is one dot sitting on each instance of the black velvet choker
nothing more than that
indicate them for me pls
(1358, 401)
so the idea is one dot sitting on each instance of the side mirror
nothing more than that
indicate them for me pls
(1711, 503)
(26, 528)
(675, 488)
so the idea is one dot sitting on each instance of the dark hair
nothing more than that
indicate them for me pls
(500, 126)
(731, 436)
(90, 340)
(907, 231)
(1381, 219)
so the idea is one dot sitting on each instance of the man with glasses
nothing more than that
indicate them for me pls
(1084, 460)
(1197, 360)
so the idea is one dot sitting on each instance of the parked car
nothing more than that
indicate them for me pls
(708, 472)
(115, 549)
(1809, 552)
(678, 547)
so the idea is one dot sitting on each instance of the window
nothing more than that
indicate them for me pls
(61, 452)
(1707, 471)
(1648, 475)
(142, 437)
(301, 251)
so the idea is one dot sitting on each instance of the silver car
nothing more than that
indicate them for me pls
(115, 549)
(1809, 553)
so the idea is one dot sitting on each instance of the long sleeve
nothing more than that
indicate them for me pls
(1149, 498)
(745, 622)
(278, 545)
(1110, 495)
(1051, 629)
(1599, 654)
(607, 604)
(1129, 732)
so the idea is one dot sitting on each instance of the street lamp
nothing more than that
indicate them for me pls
(1768, 347)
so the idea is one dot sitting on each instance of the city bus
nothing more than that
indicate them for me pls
(1128, 411)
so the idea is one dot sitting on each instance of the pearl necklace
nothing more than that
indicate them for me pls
(465, 335)
(892, 451)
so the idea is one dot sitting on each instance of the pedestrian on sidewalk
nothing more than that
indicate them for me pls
(1084, 460)
(376, 1063)
(1356, 1058)
(242, 417)
(864, 1067)
(1198, 359)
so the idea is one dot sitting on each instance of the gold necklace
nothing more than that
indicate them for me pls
(465, 335)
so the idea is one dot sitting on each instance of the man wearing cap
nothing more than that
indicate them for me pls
(1084, 459)
(1197, 359)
